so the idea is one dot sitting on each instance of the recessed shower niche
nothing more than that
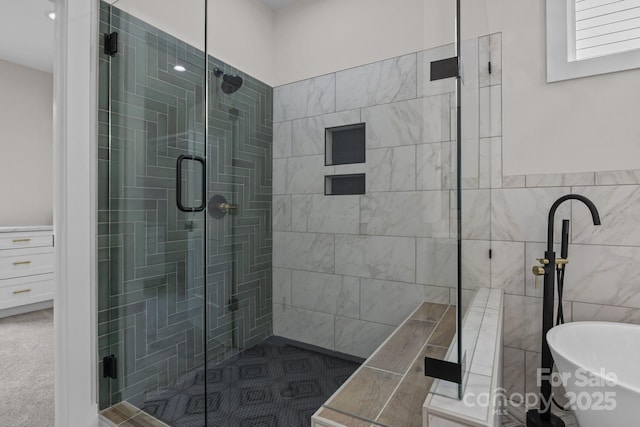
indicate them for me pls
(345, 144)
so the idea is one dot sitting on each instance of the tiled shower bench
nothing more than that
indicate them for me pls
(390, 388)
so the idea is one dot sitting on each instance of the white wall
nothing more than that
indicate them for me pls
(240, 32)
(26, 134)
(579, 125)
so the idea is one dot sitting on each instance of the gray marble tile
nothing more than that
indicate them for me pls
(486, 346)
(432, 166)
(470, 162)
(513, 371)
(533, 362)
(410, 214)
(326, 214)
(522, 322)
(304, 175)
(607, 275)
(560, 179)
(395, 124)
(630, 177)
(476, 384)
(281, 286)
(389, 303)
(496, 163)
(327, 293)
(490, 49)
(307, 326)
(490, 111)
(281, 140)
(308, 134)
(484, 163)
(476, 214)
(304, 251)
(604, 313)
(514, 181)
(391, 258)
(391, 169)
(305, 98)
(279, 176)
(437, 119)
(437, 262)
(281, 213)
(378, 83)
(426, 87)
(508, 267)
(521, 214)
(352, 168)
(358, 337)
(619, 209)
(476, 265)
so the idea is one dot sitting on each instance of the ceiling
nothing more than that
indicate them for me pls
(26, 33)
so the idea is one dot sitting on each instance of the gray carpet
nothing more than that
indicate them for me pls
(26, 370)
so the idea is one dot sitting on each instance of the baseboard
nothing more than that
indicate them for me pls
(13, 311)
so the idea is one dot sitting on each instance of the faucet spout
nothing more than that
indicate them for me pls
(552, 213)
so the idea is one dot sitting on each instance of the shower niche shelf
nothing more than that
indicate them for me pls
(345, 144)
(342, 185)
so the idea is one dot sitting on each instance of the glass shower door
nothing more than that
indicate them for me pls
(152, 211)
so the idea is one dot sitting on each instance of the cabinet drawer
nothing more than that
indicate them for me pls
(26, 262)
(25, 240)
(21, 291)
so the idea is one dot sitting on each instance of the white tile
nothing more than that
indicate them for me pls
(513, 371)
(629, 177)
(604, 313)
(533, 362)
(395, 124)
(358, 337)
(487, 345)
(377, 83)
(309, 133)
(306, 175)
(281, 286)
(477, 410)
(443, 422)
(521, 214)
(391, 303)
(326, 214)
(470, 160)
(390, 169)
(279, 176)
(410, 214)
(490, 111)
(514, 181)
(490, 49)
(304, 251)
(437, 119)
(508, 267)
(426, 87)
(619, 209)
(560, 179)
(476, 265)
(607, 275)
(305, 98)
(522, 322)
(281, 140)
(327, 293)
(476, 214)
(484, 167)
(391, 258)
(431, 166)
(496, 163)
(281, 213)
(437, 262)
(310, 327)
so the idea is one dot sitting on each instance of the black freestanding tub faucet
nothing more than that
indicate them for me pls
(543, 417)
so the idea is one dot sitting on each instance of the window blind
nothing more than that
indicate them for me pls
(605, 27)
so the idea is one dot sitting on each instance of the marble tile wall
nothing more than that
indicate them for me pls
(348, 269)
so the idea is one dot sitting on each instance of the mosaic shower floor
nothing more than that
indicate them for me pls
(272, 384)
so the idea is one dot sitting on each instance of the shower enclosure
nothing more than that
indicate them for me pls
(234, 287)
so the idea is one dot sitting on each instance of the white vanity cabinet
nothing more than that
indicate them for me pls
(26, 268)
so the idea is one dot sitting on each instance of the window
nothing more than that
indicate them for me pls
(589, 37)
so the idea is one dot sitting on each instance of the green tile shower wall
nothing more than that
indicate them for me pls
(151, 282)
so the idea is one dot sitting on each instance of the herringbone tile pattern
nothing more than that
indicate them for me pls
(152, 292)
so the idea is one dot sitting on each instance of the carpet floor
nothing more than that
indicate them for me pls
(26, 370)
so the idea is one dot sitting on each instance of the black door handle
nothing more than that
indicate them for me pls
(203, 202)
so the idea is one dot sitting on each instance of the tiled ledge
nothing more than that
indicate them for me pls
(125, 414)
(390, 387)
(483, 378)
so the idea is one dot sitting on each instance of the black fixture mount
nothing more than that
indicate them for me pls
(230, 83)
(543, 417)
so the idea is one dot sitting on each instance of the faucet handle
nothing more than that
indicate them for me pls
(538, 270)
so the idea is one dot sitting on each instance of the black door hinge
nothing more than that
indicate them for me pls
(489, 67)
(110, 367)
(111, 44)
(490, 253)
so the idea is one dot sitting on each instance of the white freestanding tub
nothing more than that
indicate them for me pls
(600, 362)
